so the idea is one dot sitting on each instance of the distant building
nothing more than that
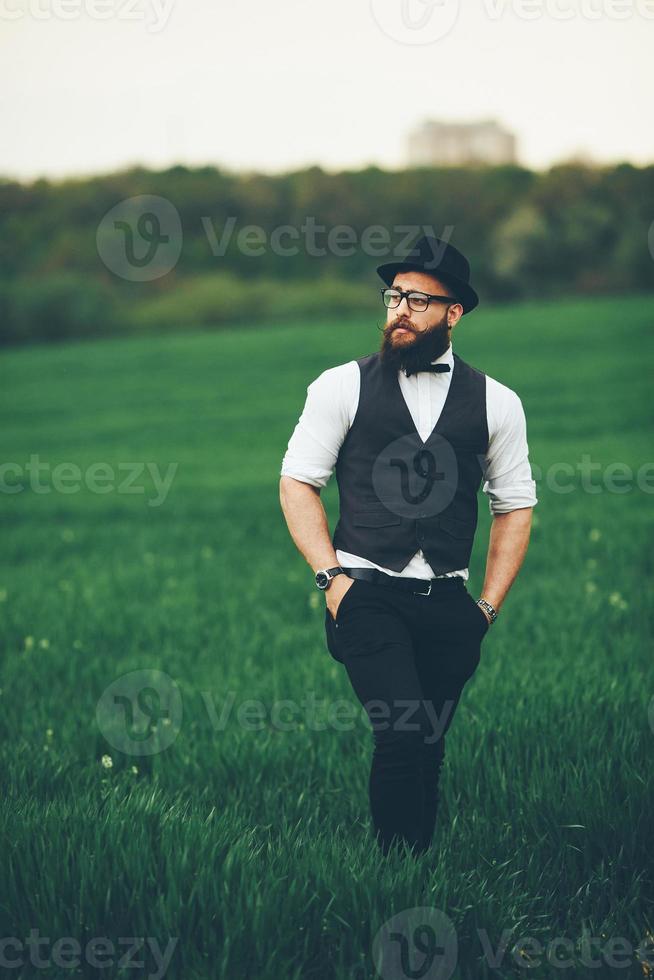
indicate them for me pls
(449, 144)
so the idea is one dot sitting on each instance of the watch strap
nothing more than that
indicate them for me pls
(485, 604)
(330, 573)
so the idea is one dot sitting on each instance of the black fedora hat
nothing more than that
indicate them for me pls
(439, 259)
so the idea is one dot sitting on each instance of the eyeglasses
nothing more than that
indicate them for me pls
(417, 301)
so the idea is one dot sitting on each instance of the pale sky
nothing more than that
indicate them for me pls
(280, 84)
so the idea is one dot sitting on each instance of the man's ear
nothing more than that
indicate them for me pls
(453, 318)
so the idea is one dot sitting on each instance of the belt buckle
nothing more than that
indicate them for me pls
(428, 592)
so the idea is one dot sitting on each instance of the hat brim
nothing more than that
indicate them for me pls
(465, 293)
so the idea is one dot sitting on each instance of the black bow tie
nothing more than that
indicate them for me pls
(434, 368)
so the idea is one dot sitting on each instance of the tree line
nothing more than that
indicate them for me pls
(75, 261)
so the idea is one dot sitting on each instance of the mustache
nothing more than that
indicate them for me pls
(405, 324)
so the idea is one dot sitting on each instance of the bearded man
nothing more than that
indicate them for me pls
(411, 430)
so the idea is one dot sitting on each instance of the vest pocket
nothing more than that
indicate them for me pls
(374, 517)
(455, 527)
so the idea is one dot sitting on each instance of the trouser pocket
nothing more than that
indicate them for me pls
(344, 603)
(330, 630)
(478, 617)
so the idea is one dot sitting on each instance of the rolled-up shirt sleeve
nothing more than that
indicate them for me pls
(330, 404)
(508, 480)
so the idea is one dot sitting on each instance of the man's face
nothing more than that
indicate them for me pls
(411, 339)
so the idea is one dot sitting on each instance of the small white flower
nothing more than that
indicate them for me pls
(617, 600)
(595, 534)
(44, 643)
(107, 761)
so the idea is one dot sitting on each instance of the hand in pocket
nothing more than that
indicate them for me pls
(480, 615)
(486, 620)
(338, 594)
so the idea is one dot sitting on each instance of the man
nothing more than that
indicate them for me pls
(411, 431)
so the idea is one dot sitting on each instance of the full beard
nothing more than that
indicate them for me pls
(415, 354)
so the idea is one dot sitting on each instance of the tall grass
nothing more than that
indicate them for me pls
(252, 846)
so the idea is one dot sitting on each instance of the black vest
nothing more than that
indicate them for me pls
(398, 494)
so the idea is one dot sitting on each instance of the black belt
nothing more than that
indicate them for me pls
(419, 586)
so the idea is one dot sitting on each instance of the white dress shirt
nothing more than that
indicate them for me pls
(329, 411)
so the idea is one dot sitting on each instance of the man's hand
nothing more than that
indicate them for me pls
(485, 612)
(337, 589)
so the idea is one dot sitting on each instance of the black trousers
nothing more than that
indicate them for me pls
(408, 658)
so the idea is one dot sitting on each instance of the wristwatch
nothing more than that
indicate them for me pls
(492, 612)
(325, 575)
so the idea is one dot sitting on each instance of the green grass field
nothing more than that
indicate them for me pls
(249, 841)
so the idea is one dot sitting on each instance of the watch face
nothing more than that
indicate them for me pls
(322, 579)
